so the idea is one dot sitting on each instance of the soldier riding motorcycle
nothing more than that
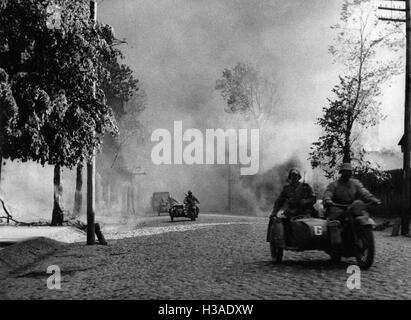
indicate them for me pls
(347, 231)
(190, 202)
(346, 201)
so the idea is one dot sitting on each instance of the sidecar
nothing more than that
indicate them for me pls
(300, 234)
(179, 210)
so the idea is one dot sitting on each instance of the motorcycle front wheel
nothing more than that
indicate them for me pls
(365, 247)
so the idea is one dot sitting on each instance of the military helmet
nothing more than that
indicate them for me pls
(294, 171)
(189, 193)
(346, 166)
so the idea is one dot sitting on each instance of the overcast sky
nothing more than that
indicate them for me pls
(179, 48)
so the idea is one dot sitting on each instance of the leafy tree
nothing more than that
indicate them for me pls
(359, 41)
(120, 86)
(8, 117)
(247, 91)
(54, 55)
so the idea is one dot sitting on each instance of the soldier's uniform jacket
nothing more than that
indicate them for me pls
(299, 195)
(346, 192)
(191, 199)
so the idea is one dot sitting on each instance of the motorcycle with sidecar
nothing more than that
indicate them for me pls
(179, 210)
(349, 236)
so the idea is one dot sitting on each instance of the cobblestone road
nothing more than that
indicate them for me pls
(212, 258)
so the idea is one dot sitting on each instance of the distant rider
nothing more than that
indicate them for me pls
(347, 191)
(297, 196)
(190, 199)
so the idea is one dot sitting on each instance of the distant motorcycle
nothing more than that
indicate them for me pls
(189, 211)
(349, 237)
(192, 210)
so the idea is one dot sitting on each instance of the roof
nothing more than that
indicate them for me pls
(400, 143)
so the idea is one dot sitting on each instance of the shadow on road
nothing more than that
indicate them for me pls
(301, 264)
(178, 221)
(315, 264)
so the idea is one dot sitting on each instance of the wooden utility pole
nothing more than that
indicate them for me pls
(229, 189)
(1, 162)
(406, 178)
(406, 192)
(91, 165)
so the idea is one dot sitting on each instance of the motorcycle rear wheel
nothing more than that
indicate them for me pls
(366, 248)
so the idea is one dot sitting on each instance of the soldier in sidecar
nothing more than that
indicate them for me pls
(347, 231)
(296, 199)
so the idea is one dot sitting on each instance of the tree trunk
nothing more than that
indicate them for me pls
(347, 149)
(57, 216)
(347, 156)
(123, 201)
(133, 207)
(108, 196)
(128, 201)
(78, 195)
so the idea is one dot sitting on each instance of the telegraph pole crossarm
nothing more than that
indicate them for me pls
(391, 9)
(392, 19)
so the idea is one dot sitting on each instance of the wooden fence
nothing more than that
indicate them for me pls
(389, 192)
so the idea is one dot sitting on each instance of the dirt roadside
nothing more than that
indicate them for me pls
(23, 254)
